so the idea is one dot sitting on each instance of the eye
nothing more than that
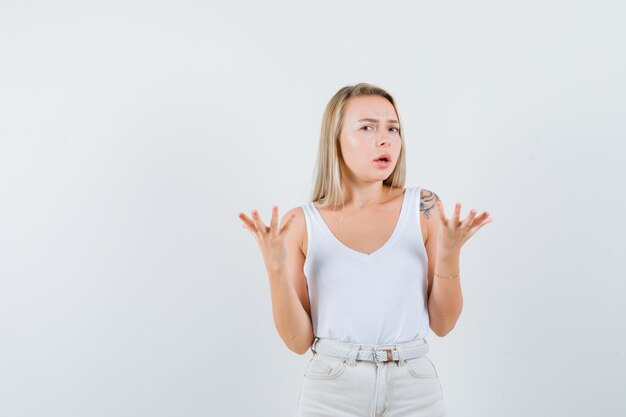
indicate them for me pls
(366, 127)
(396, 131)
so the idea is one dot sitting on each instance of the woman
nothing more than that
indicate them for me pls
(359, 274)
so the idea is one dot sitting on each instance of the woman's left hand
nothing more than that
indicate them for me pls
(453, 232)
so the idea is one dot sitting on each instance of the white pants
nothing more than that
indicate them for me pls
(339, 387)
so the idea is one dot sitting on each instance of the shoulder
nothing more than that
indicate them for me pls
(297, 229)
(428, 199)
(427, 202)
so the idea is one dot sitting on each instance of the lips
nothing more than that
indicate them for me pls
(383, 157)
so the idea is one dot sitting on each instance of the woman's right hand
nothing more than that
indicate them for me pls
(271, 239)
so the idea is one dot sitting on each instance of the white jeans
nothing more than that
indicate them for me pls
(338, 387)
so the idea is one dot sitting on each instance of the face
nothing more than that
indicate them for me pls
(370, 128)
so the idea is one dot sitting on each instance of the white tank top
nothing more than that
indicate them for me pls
(380, 298)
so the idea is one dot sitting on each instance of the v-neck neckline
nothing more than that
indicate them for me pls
(388, 243)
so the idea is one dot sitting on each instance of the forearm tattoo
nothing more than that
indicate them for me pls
(427, 202)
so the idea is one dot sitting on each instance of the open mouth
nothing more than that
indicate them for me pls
(383, 158)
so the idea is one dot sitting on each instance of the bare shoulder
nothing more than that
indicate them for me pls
(427, 208)
(427, 202)
(297, 229)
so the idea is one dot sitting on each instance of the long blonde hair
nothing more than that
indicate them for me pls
(327, 188)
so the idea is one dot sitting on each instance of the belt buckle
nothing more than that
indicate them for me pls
(315, 340)
(389, 355)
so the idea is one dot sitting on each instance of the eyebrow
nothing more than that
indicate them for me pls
(376, 120)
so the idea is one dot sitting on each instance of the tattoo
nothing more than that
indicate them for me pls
(427, 202)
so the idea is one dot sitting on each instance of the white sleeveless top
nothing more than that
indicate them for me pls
(380, 298)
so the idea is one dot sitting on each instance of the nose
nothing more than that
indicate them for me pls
(383, 139)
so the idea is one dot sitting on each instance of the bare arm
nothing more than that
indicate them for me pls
(445, 239)
(445, 299)
(291, 319)
(290, 297)
(284, 262)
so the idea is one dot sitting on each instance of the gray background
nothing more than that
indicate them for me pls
(132, 133)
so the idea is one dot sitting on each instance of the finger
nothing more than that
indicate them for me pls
(480, 218)
(484, 216)
(245, 226)
(442, 214)
(476, 221)
(287, 224)
(481, 224)
(457, 214)
(260, 226)
(274, 220)
(247, 221)
(469, 219)
(249, 225)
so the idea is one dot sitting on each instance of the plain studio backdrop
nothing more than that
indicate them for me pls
(133, 133)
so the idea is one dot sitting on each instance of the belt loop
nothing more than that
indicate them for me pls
(354, 351)
(400, 355)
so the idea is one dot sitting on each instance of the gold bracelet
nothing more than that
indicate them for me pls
(450, 277)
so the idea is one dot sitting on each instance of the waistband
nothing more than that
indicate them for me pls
(397, 352)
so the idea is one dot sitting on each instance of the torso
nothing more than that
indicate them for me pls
(364, 230)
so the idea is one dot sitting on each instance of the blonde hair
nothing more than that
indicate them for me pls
(327, 188)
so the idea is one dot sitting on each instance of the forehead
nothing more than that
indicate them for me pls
(374, 107)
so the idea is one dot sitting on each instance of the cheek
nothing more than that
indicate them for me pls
(357, 151)
(397, 145)
(362, 154)
(353, 147)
